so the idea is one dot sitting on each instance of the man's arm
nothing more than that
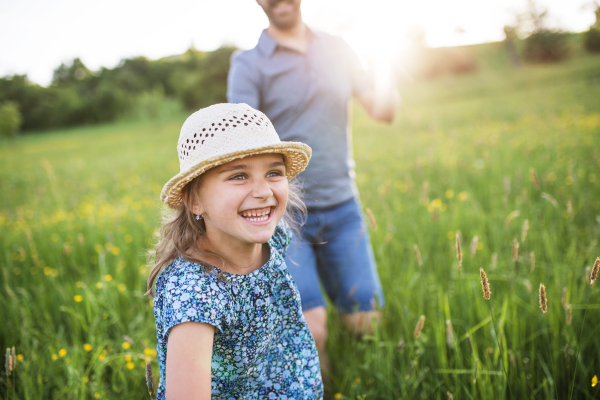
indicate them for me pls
(381, 103)
(242, 84)
(189, 356)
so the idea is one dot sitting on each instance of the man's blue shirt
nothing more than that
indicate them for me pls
(306, 97)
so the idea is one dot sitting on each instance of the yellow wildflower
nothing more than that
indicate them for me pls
(338, 396)
(54, 357)
(128, 238)
(121, 287)
(107, 278)
(87, 347)
(594, 381)
(130, 365)
(449, 193)
(126, 345)
(62, 352)
(20, 357)
(78, 298)
(462, 196)
(450, 235)
(99, 285)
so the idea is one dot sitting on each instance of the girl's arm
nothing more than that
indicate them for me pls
(189, 355)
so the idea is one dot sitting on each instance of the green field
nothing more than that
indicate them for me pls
(80, 207)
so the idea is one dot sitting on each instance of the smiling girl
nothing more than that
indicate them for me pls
(228, 317)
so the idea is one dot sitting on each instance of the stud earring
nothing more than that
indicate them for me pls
(198, 217)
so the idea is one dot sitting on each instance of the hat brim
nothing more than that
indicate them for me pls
(296, 157)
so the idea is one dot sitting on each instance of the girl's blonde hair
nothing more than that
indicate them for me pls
(180, 230)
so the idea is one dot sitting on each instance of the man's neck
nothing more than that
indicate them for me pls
(295, 37)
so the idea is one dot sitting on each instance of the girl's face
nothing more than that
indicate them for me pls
(244, 199)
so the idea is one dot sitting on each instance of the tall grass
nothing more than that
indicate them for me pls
(79, 209)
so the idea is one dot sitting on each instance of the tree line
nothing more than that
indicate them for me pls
(79, 96)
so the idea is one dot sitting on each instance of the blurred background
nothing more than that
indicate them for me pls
(496, 144)
(67, 63)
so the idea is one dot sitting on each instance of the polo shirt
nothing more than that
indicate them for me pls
(306, 97)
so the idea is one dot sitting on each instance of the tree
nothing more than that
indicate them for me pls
(10, 118)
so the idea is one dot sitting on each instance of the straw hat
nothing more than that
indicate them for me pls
(221, 133)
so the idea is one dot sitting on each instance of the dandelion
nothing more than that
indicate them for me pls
(510, 217)
(418, 255)
(99, 285)
(54, 357)
(568, 314)
(563, 300)
(485, 285)
(130, 365)
(524, 230)
(62, 352)
(419, 326)
(449, 336)
(102, 355)
(149, 380)
(126, 345)
(594, 274)
(494, 260)
(357, 379)
(87, 347)
(534, 178)
(458, 251)
(371, 218)
(121, 287)
(78, 298)
(20, 357)
(462, 196)
(531, 261)
(594, 381)
(543, 300)
(108, 278)
(515, 250)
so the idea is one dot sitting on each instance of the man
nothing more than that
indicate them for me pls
(303, 81)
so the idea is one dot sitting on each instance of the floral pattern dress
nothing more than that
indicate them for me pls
(262, 346)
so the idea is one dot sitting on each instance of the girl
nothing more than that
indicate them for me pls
(228, 318)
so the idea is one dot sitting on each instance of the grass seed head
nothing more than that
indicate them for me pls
(449, 336)
(511, 216)
(515, 250)
(450, 396)
(524, 230)
(485, 285)
(458, 250)
(149, 380)
(469, 343)
(543, 299)
(594, 274)
(568, 314)
(531, 261)
(419, 326)
(534, 178)
(7, 362)
(418, 255)
(371, 218)
(13, 359)
(473, 247)
(563, 300)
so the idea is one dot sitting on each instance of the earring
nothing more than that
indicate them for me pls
(198, 217)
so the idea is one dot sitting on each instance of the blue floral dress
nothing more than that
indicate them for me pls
(262, 346)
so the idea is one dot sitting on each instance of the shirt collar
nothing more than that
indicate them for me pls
(267, 45)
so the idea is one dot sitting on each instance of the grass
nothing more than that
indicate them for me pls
(80, 207)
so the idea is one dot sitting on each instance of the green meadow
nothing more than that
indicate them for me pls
(506, 159)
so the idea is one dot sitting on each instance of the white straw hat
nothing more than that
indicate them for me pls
(221, 133)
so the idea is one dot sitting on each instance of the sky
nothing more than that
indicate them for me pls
(36, 36)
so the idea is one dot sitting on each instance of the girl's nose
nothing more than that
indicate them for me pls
(262, 190)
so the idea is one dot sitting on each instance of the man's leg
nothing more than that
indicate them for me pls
(302, 264)
(347, 267)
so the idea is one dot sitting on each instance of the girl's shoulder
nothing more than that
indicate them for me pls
(181, 274)
(281, 237)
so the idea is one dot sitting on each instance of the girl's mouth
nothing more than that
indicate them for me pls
(257, 215)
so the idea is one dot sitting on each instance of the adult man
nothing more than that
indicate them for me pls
(303, 80)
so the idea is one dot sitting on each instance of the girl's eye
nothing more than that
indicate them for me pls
(238, 177)
(274, 173)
